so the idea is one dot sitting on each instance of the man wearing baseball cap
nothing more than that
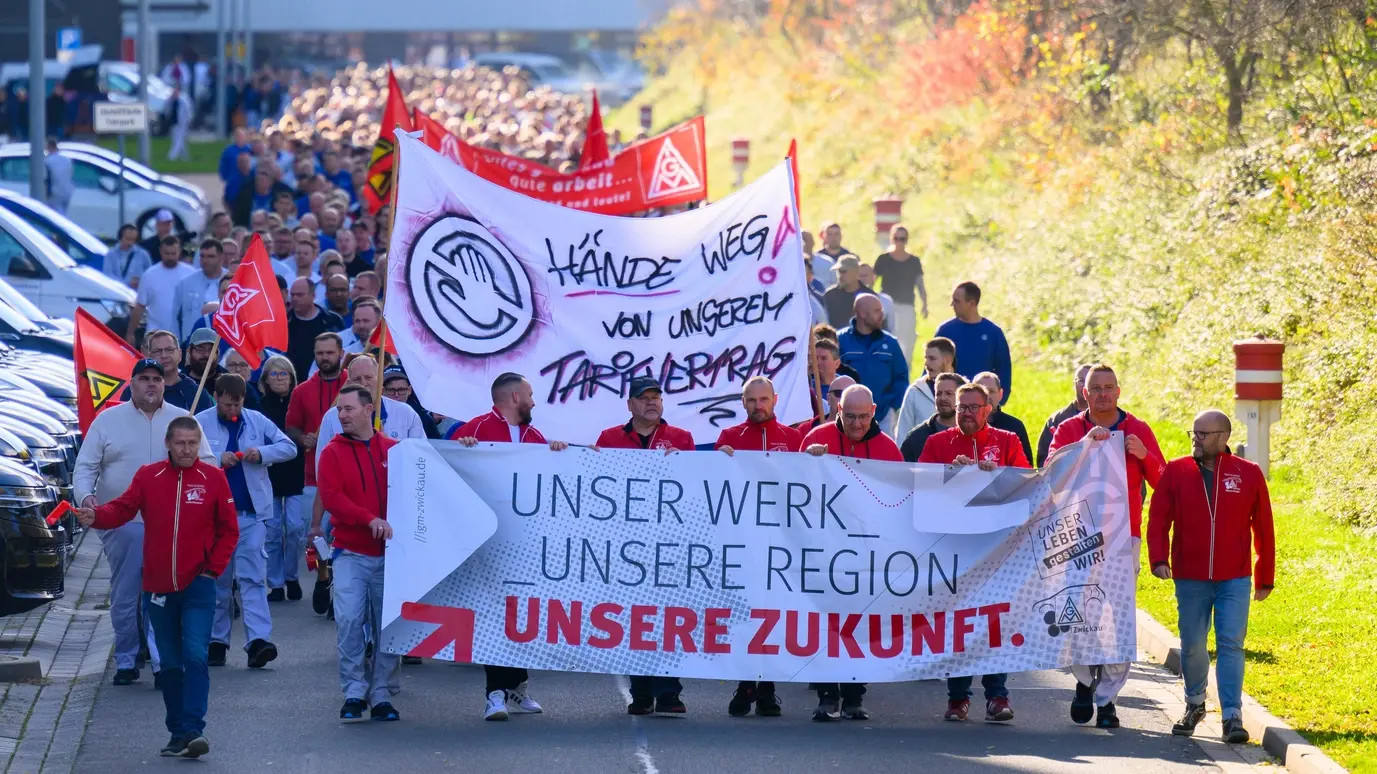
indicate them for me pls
(122, 439)
(162, 223)
(647, 429)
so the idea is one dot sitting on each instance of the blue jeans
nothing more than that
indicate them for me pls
(959, 688)
(1228, 601)
(286, 541)
(358, 602)
(181, 624)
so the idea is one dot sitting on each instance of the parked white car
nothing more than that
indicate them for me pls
(541, 69)
(95, 205)
(52, 281)
(79, 149)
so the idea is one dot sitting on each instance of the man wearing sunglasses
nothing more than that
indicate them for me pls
(1210, 512)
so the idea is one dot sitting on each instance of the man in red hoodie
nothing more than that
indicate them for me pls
(513, 399)
(647, 429)
(190, 530)
(760, 432)
(974, 442)
(854, 433)
(1099, 686)
(309, 402)
(1210, 512)
(353, 486)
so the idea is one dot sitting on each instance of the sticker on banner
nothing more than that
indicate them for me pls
(468, 288)
(1071, 609)
(1066, 539)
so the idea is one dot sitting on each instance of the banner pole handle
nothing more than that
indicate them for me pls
(382, 337)
(817, 377)
(205, 372)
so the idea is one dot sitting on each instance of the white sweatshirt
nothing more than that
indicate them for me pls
(918, 405)
(121, 440)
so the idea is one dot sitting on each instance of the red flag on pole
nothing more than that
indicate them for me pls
(377, 191)
(595, 145)
(103, 363)
(375, 339)
(251, 315)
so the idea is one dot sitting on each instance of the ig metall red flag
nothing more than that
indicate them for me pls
(378, 188)
(251, 315)
(103, 362)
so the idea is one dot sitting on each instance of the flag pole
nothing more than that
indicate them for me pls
(382, 320)
(215, 348)
(817, 376)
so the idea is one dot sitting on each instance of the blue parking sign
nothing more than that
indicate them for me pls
(68, 38)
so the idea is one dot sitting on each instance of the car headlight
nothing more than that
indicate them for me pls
(112, 307)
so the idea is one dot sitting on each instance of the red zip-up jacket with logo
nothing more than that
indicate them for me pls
(874, 446)
(665, 438)
(353, 488)
(493, 427)
(190, 523)
(1148, 469)
(309, 403)
(1212, 544)
(987, 444)
(769, 435)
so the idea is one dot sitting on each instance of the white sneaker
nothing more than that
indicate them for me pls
(519, 697)
(497, 706)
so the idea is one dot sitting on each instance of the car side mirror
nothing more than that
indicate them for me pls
(108, 185)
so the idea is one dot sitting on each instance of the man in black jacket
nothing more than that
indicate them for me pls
(944, 399)
(1073, 408)
(999, 418)
(257, 196)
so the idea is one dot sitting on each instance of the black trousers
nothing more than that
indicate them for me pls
(502, 678)
(645, 685)
(845, 690)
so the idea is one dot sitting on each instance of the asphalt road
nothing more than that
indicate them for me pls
(285, 718)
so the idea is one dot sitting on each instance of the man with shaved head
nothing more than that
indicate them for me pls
(1210, 514)
(305, 321)
(876, 355)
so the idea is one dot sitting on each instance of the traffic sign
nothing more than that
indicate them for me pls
(68, 41)
(120, 118)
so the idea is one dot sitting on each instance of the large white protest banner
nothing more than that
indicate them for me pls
(484, 280)
(767, 566)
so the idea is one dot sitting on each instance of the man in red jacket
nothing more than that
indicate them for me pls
(854, 433)
(1210, 512)
(648, 429)
(353, 486)
(760, 432)
(308, 405)
(508, 422)
(974, 442)
(1099, 686)
(190, 531)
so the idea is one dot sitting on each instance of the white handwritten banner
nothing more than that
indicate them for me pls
(486, 280)
(765, 566)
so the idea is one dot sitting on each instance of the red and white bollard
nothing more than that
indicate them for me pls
(1258, 393)
(887, 213)
(645, 118)
(741, 158)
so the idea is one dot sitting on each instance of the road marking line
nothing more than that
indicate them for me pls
(642, 743)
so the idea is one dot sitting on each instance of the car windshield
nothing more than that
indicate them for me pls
(14, 320)
(21, 304)
(48, 221)
(550, 70)
(16, 225)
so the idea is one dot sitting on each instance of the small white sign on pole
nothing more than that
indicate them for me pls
(120, 118)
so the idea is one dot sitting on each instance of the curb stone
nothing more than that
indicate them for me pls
(1278, 739)
(15, 669)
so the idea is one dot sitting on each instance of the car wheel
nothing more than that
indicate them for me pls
(147, 229)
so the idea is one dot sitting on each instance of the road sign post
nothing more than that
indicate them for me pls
(120, 119)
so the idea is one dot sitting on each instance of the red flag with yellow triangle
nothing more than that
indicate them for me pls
(103, 363)
(377, 190)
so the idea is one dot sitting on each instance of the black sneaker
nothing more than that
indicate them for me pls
(174, 746)
(196, 746)
(641, 705)
(1234, 732)
(1108, 717)
(741, 702)
(217, 653)
(1083, 706)
(767, 703)
(670, 704)
(293, 591)
(260, 653)
(157, 681)
(1186, 725)
(320, 597)
(125, 676)
(384, 711)
(829, 708)
(277, 595)
(411, 660)
(352, 710)
(854, 711)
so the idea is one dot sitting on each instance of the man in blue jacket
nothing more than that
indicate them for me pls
(876, 355)
(980, 344)
(246, 443)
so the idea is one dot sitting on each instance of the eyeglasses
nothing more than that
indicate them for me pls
(1200, 435)
(396, 392)
(966, 408)
(900, 239)
(272, 374)
(164, 352)
(857, 417)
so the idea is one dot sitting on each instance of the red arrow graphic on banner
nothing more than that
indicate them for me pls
(455, 625)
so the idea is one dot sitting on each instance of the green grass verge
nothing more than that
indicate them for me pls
(205, 155)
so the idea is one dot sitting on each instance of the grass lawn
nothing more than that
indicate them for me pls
(204, 155)
(1312, 646)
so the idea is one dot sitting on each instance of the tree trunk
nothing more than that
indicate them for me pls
(1238, 95)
